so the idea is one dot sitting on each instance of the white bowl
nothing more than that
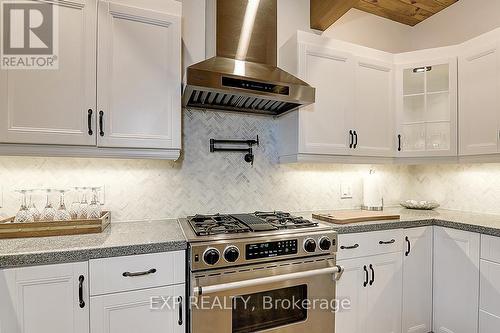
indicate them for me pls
(422, 204)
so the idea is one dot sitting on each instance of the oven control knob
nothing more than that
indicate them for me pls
(231, 254)
(211, 256)
(325, 243)
(310, 245)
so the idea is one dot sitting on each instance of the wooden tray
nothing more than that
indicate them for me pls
(55, 228)
(354, 216)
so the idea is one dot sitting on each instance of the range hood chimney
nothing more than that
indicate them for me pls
(243, 75)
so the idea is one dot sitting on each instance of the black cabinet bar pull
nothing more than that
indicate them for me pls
(366, 276)
(129, 274)
(80, 291)
(355, 139)
(373, 275)
(351, 139)
(101, 130)
(89, 121)
(180, 321)
(407, 253)
(399, 142)
(392, 241)
(355, 246)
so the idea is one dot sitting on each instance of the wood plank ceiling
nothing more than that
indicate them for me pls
(411, 12)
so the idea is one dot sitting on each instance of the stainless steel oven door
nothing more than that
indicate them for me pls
(287, 297)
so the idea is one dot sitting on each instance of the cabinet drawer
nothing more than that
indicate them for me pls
(488, 323)
(490, 287)
(110, 275)
(369, 243)
(490, 248)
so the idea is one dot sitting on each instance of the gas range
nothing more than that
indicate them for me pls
(253, 256)
(228, 240)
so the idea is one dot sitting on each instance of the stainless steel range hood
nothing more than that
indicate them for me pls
(243, 75)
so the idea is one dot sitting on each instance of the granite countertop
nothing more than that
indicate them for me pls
(119, 239)
(131, 238)
(488, 224)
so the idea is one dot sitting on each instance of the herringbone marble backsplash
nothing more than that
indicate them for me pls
(202, 182)
(466, 187)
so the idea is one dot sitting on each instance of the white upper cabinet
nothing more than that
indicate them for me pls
(426, 104)
(353, 112)
(139, 77)
(479, 80)
(374, 111)
(55, 106)
(321, 128)
(118, 85)
(326, 123)
(40, 299)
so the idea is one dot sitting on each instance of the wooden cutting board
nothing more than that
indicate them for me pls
(354, 216)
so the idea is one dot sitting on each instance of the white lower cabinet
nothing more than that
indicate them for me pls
(352, 287)
(141, 293)
(373, 285)
(45, 299)
(489, 296)
(150, 310)
(456, 281)
(384, 294)
(417, 280)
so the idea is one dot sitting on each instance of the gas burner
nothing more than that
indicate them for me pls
(283, 220)
(204, 225)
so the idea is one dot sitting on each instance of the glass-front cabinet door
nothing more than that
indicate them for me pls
(426, 102)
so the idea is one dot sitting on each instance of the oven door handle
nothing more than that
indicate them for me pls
(198, 291)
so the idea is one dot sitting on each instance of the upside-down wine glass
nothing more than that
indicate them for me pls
(23, 215)
(74, 208)
(32, 207)
(48, 213)
(62, 214)
(83, 210)
(94, 211)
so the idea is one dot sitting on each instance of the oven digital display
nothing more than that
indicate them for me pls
(271, 249)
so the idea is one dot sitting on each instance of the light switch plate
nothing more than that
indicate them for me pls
(346, 191)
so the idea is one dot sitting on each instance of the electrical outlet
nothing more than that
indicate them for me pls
(346, 191)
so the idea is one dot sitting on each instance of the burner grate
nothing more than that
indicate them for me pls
(205, 225)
